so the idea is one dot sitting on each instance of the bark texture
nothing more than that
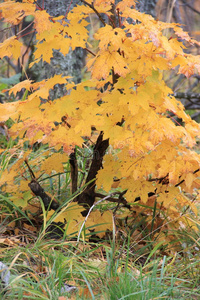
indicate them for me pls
(147, 6)
(68, 65)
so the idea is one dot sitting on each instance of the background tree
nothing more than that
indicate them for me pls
(187, 14)
(68, 65)
(147, 6)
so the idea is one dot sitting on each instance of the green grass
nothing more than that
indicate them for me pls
(99, 271)
(111, 269)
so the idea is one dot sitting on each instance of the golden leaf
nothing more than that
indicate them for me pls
(27, 84)
(11, 48)
(54, 162)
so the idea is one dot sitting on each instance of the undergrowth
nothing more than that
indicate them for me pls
(126, 264)
(44, 269)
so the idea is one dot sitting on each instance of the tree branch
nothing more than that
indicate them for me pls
(87, 197)
(187, 96)
(96, 12)
(184, 179)
(39, 191)
(36, 188)
(119, 200)
(74, 171)
(191, 7)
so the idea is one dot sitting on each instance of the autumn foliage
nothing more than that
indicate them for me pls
(125, 102)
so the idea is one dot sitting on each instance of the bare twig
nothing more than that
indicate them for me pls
(184, 179)
(96, 12)
(187, 96)
(28, 47)
(20, 32)
(165, 180)
(91, 208)
(191, 7)
(119, 200)
(88, 50)
(30, 170)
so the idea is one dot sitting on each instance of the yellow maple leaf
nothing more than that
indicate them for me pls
(82, 11)
(42, 21)
(11, 47)
(44, 50)
(104, 177)
(78, 33)
(122, 5)
(48, 84)
(79, 11)
(187, 70)
(8, 177)
(100, 223)
(26, 84)
(15, 12)
(64, 136)
(108, 35)
(24, 186)
(184, 35)
(9, 110)
(53, 38)
(136, 15)
(29, 108)
(110, 60)
(21, 198)
(189, 179)
(54, 162)
(71, 217)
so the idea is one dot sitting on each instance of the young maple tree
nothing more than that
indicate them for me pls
(124, 105)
